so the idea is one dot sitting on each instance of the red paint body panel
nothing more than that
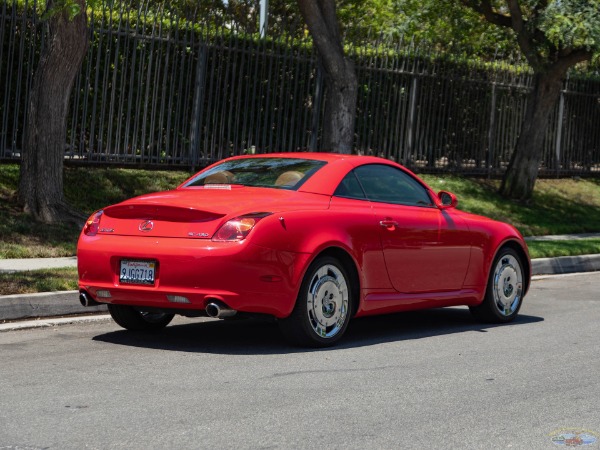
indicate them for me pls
(383, 303)
(197, 269)
(428, 257)
(426, 251)
(488, 236)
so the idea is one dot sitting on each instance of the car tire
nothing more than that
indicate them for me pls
(505, 289)
(323, 307)
(134, 320)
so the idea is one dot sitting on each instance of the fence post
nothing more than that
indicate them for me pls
(198, 106)
(561, 110)
(316, 108)
(410, 137)
(491, 133)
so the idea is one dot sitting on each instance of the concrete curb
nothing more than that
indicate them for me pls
(53, 322)
(49, 304)
(563, 237)
(565, 264)
(45, 304)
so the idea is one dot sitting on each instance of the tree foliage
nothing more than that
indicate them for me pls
(443, 24)
(572, 23)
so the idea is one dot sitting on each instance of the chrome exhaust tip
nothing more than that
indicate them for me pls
(219, 310)
(86, 300)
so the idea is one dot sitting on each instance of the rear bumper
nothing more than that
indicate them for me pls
(246, 277)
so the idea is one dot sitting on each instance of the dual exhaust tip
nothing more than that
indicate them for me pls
(216, 308)
(86, 300)
(219, 310)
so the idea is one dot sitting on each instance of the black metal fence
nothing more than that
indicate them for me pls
(161, 89)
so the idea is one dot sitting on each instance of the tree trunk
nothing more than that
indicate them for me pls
(340, 111)
(41, 183)
(341, 85)
(519, 179)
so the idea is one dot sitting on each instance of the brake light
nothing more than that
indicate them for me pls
(238, 229)
(91, 226)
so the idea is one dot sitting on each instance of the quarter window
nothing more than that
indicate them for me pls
(350, 188)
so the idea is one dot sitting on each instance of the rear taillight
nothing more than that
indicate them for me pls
(91, 226)
(238, 229)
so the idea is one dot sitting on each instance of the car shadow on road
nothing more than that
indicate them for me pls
(262, 337)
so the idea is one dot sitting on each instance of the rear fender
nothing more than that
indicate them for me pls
(320, 232)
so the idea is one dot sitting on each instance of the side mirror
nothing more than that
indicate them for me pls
(448, 199)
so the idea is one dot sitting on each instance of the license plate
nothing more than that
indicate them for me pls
(137, 272)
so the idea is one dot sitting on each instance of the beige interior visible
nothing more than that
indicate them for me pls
(223, 177)
(289, 178)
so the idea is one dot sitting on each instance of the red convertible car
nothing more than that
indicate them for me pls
(312, 239)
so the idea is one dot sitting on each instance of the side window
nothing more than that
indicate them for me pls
(349, 187)
(388, 184)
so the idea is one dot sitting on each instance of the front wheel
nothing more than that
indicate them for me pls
(134, 320)
(323, 306)
(505, 289)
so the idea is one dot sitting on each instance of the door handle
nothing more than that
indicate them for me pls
(388, 223)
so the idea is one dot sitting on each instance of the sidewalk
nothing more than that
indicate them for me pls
(20, 265)
(50, 304)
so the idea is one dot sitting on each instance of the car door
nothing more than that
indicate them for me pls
(356, 212)
(425, 249)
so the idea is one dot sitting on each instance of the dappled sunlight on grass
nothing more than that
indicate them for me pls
(550, 249)
(20, 235)
(90, 189)
(87, 189)
(558, 206)
(38, 281)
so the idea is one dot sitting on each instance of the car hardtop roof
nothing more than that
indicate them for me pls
(326, 179)
(318, 156)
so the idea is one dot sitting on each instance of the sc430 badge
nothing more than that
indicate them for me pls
(198, 235)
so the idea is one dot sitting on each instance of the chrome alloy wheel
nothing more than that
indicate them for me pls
(508, 285)
(327, 301)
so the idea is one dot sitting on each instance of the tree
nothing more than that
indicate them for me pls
(41, 182)
(41, 178)
(553, 35)
(341, 87)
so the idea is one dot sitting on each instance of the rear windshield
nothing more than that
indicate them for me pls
(281, 173)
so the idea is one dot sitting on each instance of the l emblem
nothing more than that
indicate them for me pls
(146, 225)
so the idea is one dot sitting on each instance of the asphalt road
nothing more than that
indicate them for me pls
(431, 380)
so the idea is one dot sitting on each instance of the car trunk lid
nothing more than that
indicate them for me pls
(197, 212)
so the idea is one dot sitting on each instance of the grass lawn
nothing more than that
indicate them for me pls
(88, 189)
(550, 249)
(38, 281)
(558, 207)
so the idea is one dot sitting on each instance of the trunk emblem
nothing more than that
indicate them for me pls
(200, 235)
(146, 225)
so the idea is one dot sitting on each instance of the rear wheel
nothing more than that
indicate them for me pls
(323, 306)
(134, 320)
(504, 293)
